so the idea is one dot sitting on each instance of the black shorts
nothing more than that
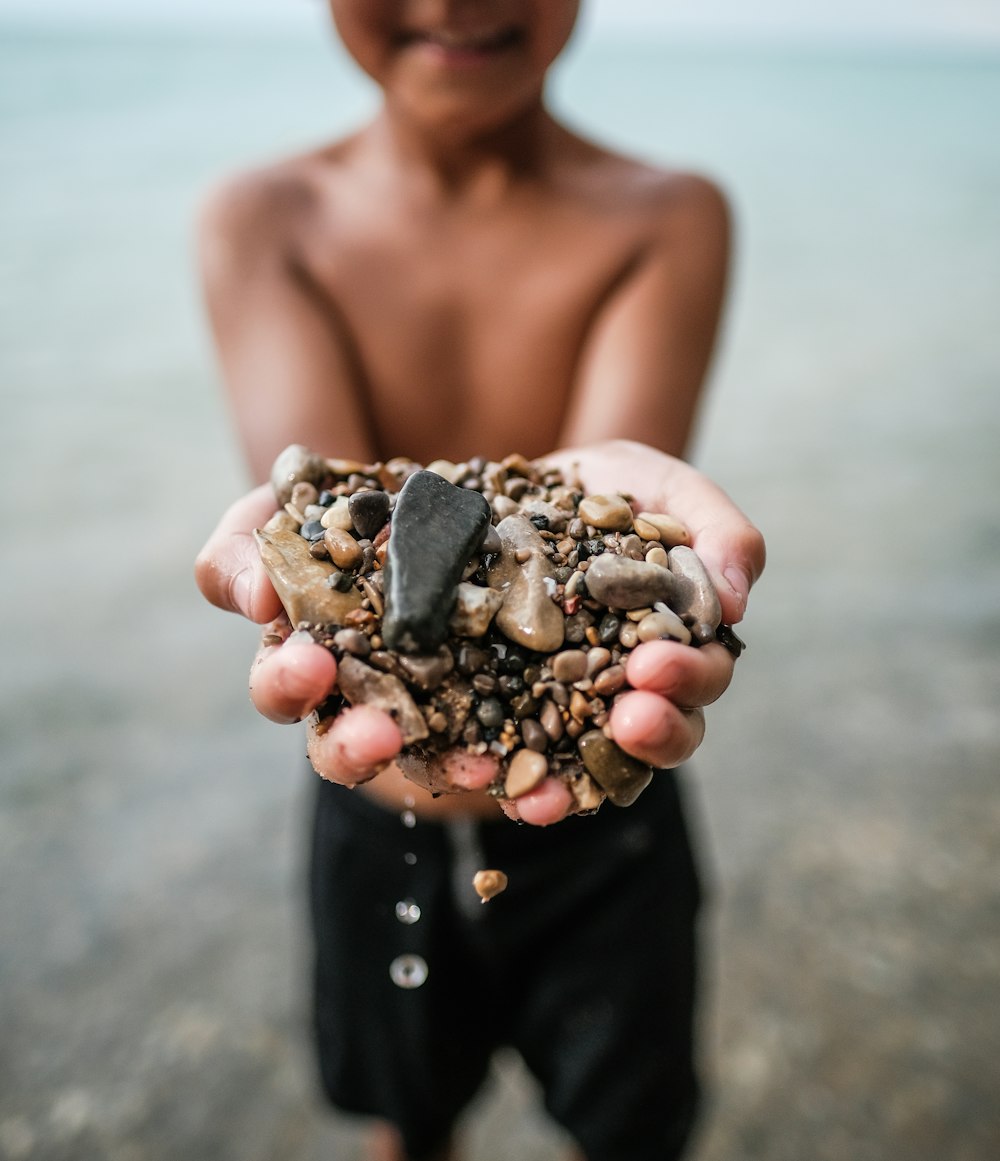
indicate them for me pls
(585, 965)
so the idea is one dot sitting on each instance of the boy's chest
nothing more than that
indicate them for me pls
(472, 331)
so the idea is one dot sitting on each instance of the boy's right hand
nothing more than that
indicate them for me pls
(661, 721)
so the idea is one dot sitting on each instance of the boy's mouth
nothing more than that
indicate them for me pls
(462, 44)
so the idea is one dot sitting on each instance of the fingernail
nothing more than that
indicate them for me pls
(241, 591)
(739, 583)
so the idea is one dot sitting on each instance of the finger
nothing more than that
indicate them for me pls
(464, 771)
(228, 570)
(688, 677)
(654, 730)
(287, 682)
(361, 741)
(550, 801)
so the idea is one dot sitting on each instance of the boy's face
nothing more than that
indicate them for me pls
(456, 64)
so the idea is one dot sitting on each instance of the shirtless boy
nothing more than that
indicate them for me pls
(466, 276)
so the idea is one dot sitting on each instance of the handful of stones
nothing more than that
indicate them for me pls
(486, 605)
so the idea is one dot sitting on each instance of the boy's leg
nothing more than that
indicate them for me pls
(412, 1057)
(605, 1006)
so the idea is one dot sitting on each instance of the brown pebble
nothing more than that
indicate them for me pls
(569, 665)
(597, 659)
(551, 721)
(526, 771)
(304, 494)
(352, 641)
(579, 706)
(659, 625)
(628, 635)
(607, 512)
(533, 735)
(610, 681)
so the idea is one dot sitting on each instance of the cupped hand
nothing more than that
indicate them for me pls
(660, 720)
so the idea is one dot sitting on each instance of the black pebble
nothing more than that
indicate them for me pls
(369, 511)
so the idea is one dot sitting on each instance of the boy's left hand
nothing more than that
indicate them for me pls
(660, 721)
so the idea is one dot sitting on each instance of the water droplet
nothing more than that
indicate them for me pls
(409, 800)
(410, 858)
(407, 911)
(408, 818)
(408, 971)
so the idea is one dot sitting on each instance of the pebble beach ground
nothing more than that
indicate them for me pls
(152, 954)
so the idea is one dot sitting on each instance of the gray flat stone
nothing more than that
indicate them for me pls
(436, 529)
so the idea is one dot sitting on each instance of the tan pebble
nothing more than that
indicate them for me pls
(631, 546)
(445, 468)
(283, 521)
(609, 681)
(657, 554)
(569, 666)
(489, 883)
(573, 584)
(527, 769)
(592, 635)
(338, 515)
(551, 720)
(343, 467)
(296, 515)
(579, 706)
(343, 548)
(381, 553)
(503, 506)
(659, 526)
(575, 728)
(628, 635)
(638, 614)
(566, 545)
(304, 494)
(438, 722)
(663, 624)
(519, 464)
(522, 555)
(586, 793)
(606, 512)
(372, 593)
(597, 659)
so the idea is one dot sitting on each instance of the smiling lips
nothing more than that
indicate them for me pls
(455, 45)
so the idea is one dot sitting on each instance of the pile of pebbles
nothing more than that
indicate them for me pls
(486, 605)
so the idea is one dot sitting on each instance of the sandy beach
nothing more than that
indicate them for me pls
(152, 946)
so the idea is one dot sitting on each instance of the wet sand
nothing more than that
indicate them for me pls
(152, 951)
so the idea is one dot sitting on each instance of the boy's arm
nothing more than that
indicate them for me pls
(272, 329)
(644, 363)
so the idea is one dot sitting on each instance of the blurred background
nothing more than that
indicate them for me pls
(152, 952)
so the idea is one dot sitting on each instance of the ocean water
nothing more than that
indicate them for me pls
(150, 852)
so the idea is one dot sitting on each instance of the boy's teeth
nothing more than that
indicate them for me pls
(465, 40)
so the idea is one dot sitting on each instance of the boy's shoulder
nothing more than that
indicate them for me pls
(675, 201)
(260, 210)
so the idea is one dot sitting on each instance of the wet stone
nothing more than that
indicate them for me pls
(621, 777)
(608, 512)
(436, 527)
(628, 584)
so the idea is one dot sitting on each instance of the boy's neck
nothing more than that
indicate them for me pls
(464, 163)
